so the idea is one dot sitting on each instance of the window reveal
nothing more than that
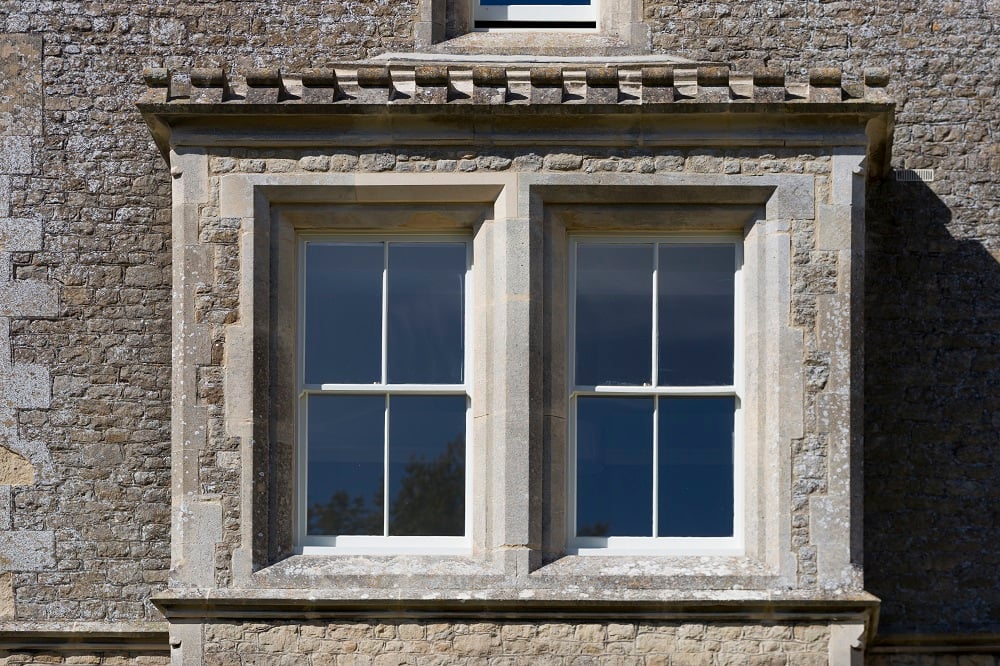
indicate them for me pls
(383, 393)
(653, 392)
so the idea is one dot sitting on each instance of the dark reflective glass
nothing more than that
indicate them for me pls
(695, 286)
(614, 314)
(696, 467)
(614, 466)
(427, 465)
(343, 313)
(426, 313)
(344, 481)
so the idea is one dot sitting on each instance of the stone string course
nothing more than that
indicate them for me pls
(486, 84)
(38, 658)
(509, 643)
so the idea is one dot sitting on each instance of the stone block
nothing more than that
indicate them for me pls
(202, 530)
(27, 298)
(7, 609)
(27, 550)
(793, 199)
(15, 470)
(15, 155)
(833, 226)
(19, 235)
(21, 94)
(4, 202)
(26, 387)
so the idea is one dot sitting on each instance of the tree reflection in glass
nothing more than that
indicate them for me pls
(345, 472)
(426, 465)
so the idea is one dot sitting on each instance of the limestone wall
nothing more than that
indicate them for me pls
(932, 304)
(551, 644)
(85, 257)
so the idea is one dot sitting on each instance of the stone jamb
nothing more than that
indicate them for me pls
(768, 205)
(761, 209)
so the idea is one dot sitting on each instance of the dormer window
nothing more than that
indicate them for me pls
(543, 14)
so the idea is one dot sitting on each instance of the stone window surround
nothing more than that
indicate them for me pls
(518, 221)
(617, 19)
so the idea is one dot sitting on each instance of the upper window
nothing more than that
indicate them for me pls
(574, 14)
(654, 394)
(383, 394)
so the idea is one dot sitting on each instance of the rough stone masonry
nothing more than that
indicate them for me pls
(85, 256)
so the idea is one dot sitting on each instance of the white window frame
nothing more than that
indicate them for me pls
(307, 544)
(690, 546)
(554, 14)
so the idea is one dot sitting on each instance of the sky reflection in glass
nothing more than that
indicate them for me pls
(695, 300)
(426, 313)
(614, 463)
(696, 466)
(614, 320)
(343, 312)
(427, 465)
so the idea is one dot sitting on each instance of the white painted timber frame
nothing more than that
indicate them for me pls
(357, 544)
(657, 545)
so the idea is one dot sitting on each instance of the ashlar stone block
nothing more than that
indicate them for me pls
(15, 154)
(17, 235)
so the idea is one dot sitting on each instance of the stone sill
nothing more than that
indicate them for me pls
(533, 59)
(985, 643)
(537, 42)
(318, 603)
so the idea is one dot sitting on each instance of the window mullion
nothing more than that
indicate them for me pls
(655, 372)
(385, 311)
(384, 377)
(656, 465)
(655, 381)
(385, 472)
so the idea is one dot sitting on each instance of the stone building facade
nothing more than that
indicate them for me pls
(159, 166)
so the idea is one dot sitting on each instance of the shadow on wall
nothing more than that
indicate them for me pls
(932, 417)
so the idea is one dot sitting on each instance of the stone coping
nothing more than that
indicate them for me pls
(513, 84)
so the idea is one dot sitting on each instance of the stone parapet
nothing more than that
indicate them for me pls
(520, 84)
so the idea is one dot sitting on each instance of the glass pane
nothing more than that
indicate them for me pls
(427, 465)
(696, 287)
(426, 313)
(343, 313)
(696, 467)
(614, 314)
(344, 490)
(614, 466)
